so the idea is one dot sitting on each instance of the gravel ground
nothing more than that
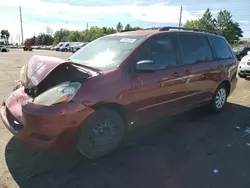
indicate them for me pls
(183, 151)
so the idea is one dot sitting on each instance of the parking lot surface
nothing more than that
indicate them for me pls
(195, 149)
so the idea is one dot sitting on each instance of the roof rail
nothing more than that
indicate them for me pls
(189, 29)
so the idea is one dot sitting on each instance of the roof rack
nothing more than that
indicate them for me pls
(189, 29)
(151, 28)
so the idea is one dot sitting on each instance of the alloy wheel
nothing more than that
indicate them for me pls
(220, 98)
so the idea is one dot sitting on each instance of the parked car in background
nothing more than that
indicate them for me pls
(244, 66)
(57, 47)
(67, 46)
(64, 47)
(76, 47)
(27, 47)
(36, 47)
(117, 82)
(241, 51)
(3, 48)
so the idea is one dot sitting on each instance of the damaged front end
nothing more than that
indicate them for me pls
(42, 73)
(40, 110)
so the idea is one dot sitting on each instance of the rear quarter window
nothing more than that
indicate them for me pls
(221, 48)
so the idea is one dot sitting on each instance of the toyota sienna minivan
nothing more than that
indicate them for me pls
(116, 82)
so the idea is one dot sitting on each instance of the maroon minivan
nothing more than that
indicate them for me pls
(116, 82)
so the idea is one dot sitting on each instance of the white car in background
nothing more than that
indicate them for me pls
(3, 48)
(244, 66)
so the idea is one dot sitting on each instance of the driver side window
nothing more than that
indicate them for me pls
(159, 49)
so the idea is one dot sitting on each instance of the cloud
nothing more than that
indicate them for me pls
(35, 12)
(244, 22)
(161, 13)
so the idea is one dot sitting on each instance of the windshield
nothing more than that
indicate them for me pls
(107, 52)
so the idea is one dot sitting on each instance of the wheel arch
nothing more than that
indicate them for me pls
(227, 84)
(120, 109)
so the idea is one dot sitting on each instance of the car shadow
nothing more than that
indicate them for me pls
(181, 151)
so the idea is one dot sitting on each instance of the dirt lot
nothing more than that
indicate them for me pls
(179, 152)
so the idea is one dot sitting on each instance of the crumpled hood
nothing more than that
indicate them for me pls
(37, 69)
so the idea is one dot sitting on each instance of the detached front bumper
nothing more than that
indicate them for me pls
(46, 127)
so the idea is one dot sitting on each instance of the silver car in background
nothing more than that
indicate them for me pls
(3, 48)
(77, 47)
(244, 66)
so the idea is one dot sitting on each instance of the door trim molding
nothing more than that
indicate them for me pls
(172, 100)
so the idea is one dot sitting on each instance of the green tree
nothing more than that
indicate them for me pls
(136, 28)
(192, 24)
(224, 24)
(5, 35)
(44, 39)
(108, 31)
(75, 36)
(228, 28)
(61, 36)
(119, 27)
(93, 33)
(205, 22)
(30, 41)
(128, 27)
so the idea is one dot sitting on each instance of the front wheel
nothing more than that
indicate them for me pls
(101, 134)
(219, 98)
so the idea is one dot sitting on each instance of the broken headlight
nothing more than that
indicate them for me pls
(58, 94)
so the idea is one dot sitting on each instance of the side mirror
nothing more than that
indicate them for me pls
(248, 53)
(145, 66)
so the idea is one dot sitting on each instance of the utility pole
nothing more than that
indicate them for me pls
(66, 25)
(87, 26)
(21, 21)
(180, 17)
(18, 37)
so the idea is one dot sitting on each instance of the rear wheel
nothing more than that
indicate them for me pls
(4, 50)
(101, 135)
(219, 99)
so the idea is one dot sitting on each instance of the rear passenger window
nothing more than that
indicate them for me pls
(221, 48)
(195, 49)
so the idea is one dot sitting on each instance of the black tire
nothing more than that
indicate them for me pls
(220, 94)
(4, 50)
(242, 76)
(104, 122)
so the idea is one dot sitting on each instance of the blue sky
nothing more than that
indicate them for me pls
(75, 14)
